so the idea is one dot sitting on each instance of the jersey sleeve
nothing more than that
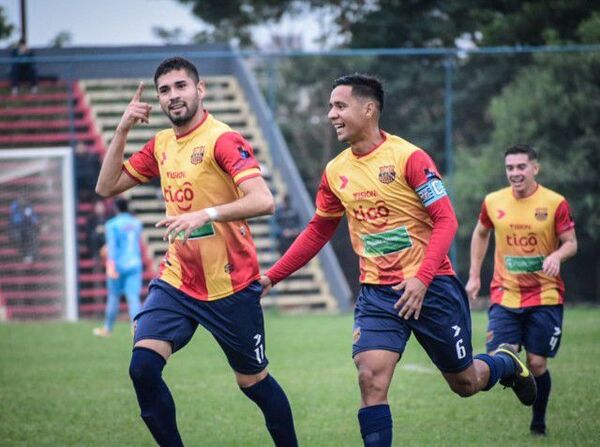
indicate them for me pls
(236, 157)
(484, 217)
(142, 165)
(310, 241)
(563, 219)
(422, 176)
(328, 204)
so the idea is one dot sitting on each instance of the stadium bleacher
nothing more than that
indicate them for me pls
(306, 289)
(55, 116)
(63, 114)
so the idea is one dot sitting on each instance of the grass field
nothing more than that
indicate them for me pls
(61, 386)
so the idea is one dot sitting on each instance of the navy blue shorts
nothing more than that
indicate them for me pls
(443, 327)
(538, 329)
(236, 322)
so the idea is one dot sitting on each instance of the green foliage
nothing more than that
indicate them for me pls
(6, 28)
(60, 386)
(548, 101)
(559, 93)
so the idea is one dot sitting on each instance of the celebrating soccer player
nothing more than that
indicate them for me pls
(534, 234)
(211, 183)
(401, 225)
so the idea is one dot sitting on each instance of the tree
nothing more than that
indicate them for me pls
(6, 28)
(62, 39)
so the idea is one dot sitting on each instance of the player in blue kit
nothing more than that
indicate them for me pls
(124, 266)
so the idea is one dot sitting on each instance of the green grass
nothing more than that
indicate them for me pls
(61, 386)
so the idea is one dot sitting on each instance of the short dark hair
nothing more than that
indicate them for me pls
(121, 204)
(522, 149)
(363, 85)
(176, 63)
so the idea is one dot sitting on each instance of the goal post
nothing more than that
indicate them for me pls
(38, 249)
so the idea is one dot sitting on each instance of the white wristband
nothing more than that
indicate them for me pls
(213, 214)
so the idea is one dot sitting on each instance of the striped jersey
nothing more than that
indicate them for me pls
(526, 231)
(387, 196)
(200, 169)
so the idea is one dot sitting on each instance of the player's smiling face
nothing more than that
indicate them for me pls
(179, 96)
(521, 172)
(347, 114)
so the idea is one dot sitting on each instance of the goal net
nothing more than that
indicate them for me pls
(37, 235)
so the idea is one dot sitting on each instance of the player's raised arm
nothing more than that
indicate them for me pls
(112, 180)
(479, 245)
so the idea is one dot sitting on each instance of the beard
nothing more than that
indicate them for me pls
(185, 118)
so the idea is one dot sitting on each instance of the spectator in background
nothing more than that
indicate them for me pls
(288, 224)
(24, 228)
(87, 168)
(23, 70)
(95, 230)
(124, 265)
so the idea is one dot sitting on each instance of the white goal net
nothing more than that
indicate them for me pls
(38, 278)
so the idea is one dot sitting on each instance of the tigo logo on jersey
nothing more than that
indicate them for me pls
(541, 214)
(376, 215)
(181, 197)
(387, 174)
(527, 243)
(197, 155)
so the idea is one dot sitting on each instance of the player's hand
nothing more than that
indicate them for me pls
(551, 265)
(136, 111)
(473, 287)
(266, 284)
(412, 298)
(111, 270)
(185, 223)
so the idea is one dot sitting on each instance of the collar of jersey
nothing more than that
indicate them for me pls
(359, 156)
(192, 130)
(537, 188)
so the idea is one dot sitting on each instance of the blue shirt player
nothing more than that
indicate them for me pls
(124, 266)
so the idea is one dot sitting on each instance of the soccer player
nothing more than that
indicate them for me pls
(124, 266)
(401, 225)
(211, 183)
(534, 234)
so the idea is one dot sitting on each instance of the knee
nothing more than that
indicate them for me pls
(464, 386)
(369, 382)
(537, 365)
(145, 366)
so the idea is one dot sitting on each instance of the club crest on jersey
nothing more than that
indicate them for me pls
(541, 214)
(197, 155)
(228, 268)
(387, 174)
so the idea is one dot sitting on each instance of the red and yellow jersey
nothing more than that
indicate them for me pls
(526, 231)
(388, 195)
(201, 169)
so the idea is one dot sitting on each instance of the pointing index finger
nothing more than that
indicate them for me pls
(138, 93)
